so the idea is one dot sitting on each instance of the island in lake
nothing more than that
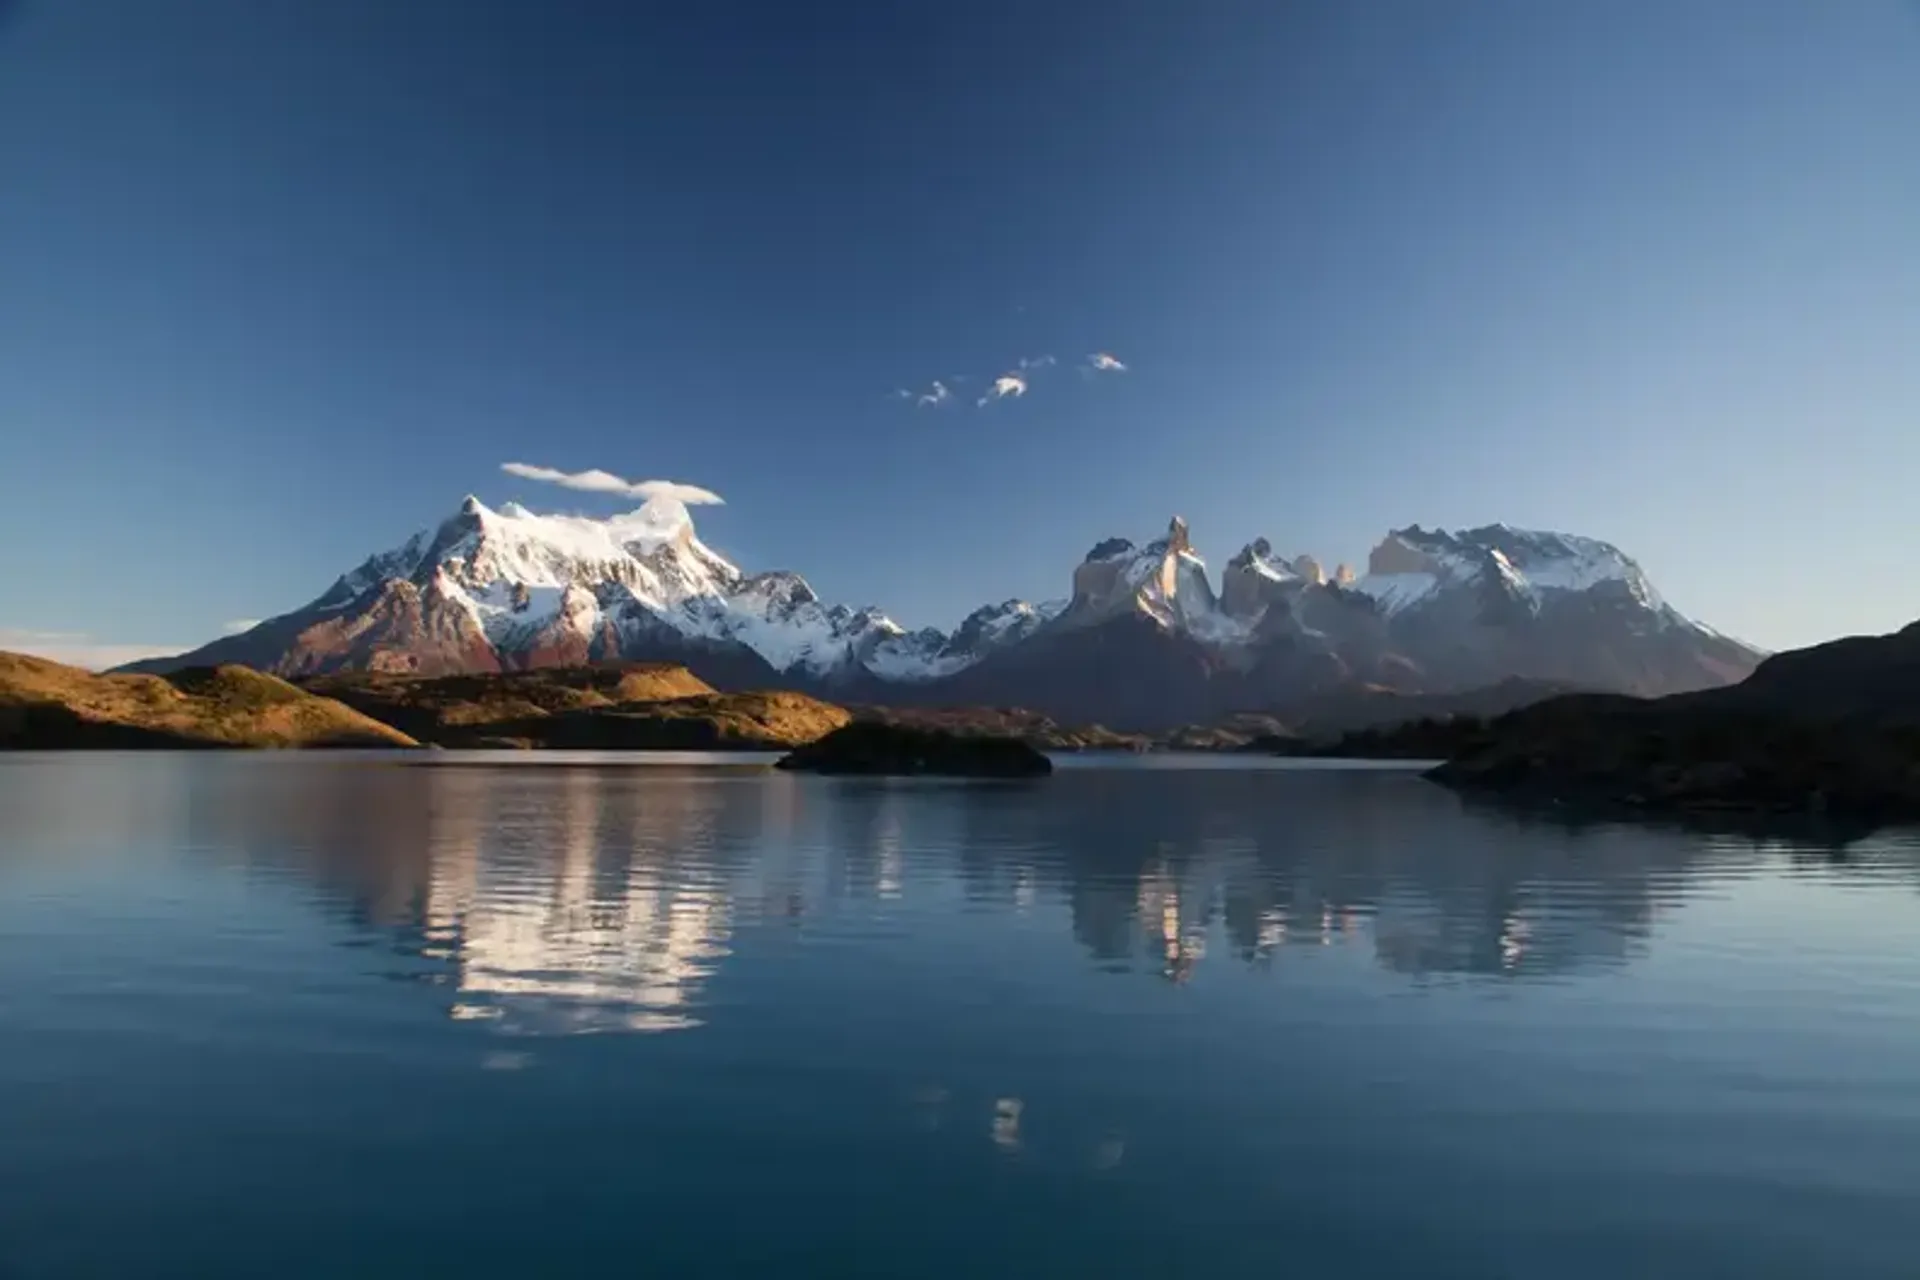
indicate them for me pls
(873, 747)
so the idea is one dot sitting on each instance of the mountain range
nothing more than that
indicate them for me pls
(1144, 639)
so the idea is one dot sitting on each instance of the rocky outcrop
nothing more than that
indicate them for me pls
(1255, 581)
(1831, 729)
(1164, 580)
(1661, 759)
(870, 747)
(1395, 554)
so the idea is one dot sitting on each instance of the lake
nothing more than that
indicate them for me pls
(546, 1015)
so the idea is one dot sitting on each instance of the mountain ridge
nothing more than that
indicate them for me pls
(1143, 630)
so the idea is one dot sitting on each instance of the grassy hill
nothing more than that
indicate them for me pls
(610, 707)
(48, 705)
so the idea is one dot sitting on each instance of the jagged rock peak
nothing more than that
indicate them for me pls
(1257, 550)
(1396, 553)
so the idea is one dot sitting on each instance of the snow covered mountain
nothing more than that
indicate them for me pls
(505, 589)
(502, 589)
(1146, 641)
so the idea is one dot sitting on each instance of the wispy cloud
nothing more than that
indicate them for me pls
(1008, 386)
(1011, 385)
(597, 481)
(77, 648)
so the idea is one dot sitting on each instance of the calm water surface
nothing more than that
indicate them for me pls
(507, 1016)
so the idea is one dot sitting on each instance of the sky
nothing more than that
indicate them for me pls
(281, 283)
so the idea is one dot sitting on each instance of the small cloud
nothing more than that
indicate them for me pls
(691, 495)
(1101, 362)
(238, 625)
(934, 396)
(597, 481)
(1036, 362)
(901, 393)
(77, 648)
(1006, 386)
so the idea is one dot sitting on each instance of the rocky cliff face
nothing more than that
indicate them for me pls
(1145, 642)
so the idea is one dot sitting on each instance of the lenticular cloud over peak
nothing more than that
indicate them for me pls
(598, 481)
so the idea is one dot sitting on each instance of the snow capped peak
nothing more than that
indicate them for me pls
(996, 624)
(659, 520)
(525, 578)
(1529, 565)
(1258, 549)
(537, 585)
(1545, 560)
(491, 589)
(1165, 581)
(1256, 579)
(780, 588)
(1257, 558)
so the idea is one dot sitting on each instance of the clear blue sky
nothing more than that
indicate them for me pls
(279, 283)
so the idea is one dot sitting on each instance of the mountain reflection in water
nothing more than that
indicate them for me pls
(606, 897)
(436, 1013)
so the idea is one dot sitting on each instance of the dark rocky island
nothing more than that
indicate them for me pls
(1831, 729)
(874, 747)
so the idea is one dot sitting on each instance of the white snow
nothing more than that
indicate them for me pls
(647, 567)
(653, 559)
(1011, 616)
(894, 661)
(1530, 563)
(649, 557)
(1397, 591)
(1270, 570)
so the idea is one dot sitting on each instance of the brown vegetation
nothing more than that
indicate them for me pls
(47, 705)
(1009, 722)
(607, 707)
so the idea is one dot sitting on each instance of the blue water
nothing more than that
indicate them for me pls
(315, 1015)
